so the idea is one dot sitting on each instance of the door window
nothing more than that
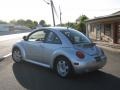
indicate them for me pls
(38, 36)
(53, 38)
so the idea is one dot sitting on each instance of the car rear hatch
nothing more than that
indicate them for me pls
(89, 48)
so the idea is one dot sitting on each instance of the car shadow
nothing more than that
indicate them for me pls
(34, 77)
(1, 59)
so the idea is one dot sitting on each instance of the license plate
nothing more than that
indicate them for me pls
(98, 59)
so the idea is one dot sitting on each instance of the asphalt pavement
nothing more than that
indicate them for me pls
(26, 76)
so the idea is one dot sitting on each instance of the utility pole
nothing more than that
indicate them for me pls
(52, 9)
(51, 2)
(60, 16)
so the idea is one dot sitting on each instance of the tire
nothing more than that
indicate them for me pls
(16, 55)
(63, 67)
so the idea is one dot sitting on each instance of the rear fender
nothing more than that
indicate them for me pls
(65, 53)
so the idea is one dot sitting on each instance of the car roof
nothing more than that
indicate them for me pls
(54, 28)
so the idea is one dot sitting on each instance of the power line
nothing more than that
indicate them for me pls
(46, 2)
(53, 9)
(109, 9)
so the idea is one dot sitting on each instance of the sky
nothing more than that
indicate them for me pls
(71, 9)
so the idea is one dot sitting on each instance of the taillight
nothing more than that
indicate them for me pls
(80, 54)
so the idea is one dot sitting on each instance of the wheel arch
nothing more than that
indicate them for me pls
(56, 58)
(21, 50)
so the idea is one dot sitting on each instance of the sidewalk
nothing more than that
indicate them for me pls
(108, 46)
(2, 33)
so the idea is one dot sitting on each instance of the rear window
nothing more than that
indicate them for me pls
(75, 36)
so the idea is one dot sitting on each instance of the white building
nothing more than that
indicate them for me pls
(11, 27)
(6, 27)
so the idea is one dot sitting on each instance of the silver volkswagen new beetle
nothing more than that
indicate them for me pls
(62, 49)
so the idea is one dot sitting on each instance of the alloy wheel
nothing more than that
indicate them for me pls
(63, 68)
(16, 55)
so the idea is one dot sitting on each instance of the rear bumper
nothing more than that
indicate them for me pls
(91, 65)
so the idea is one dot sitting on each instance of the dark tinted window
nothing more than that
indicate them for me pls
(75, 36)
(53, 38)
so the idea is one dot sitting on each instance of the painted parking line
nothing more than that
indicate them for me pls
(5, 56)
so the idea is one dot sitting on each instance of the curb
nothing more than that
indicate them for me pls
(108, 45)
(5, 56)
(114, 50)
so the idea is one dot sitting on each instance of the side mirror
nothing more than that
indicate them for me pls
(25, 38)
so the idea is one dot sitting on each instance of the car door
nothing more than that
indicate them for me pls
(33, 46)
(51, 44)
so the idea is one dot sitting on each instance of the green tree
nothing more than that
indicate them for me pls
(29, 23)
(3, 22)
(42, 23)
(13, 22)
(81, 25)
(35, 23)
(69, 24)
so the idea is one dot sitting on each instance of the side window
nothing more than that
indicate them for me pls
(37, 36)
(53, 38)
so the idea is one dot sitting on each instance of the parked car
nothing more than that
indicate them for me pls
(62, 49)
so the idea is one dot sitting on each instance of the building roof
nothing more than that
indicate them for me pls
(113, 15)
(116, 13)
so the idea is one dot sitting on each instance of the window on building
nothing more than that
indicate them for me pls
(107, 29)
(92, 27)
